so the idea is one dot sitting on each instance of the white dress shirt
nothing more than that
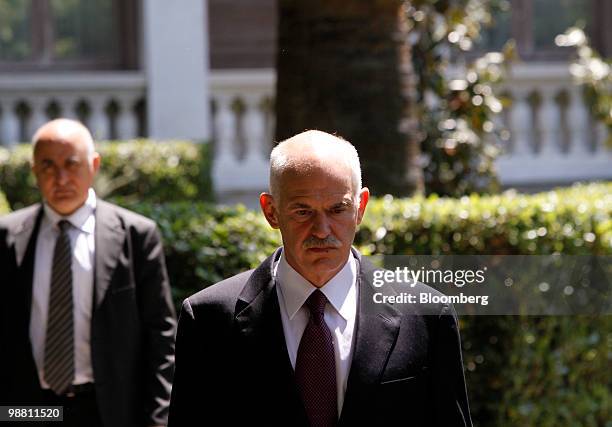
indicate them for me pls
(340, 312)
(82, 242)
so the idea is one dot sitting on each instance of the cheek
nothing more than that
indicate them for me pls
(44, 183)
(345, 230)
(294, 234)
(83, 179)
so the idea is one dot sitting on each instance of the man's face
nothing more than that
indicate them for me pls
(64, 172)
(317, 215)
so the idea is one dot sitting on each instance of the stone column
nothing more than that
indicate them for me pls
(9, 123)
(521, 127)
(98, 120)
(177, 69)
(579, 124)
(549, 124)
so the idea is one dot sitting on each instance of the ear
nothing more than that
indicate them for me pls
(364, 196)
(266, 201)
(96, 162)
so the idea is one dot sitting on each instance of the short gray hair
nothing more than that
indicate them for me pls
(281, 159)
(67, 126)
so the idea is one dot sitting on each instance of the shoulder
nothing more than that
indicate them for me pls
(127, 217)
(220, 296)
(16, 219)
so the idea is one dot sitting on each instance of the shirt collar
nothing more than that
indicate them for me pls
(295, 289)
(82, 218)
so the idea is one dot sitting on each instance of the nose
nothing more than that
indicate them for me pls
(321, 227)
(61, 176)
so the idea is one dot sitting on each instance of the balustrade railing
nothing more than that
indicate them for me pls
(553, 136)
(111, 104)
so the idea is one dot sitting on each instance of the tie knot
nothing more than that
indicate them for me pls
(316, 303)
(63, 225)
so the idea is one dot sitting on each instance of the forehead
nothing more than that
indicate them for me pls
(59, 148)
(323, 184)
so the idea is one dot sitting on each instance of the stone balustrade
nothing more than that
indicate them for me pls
(111, 104)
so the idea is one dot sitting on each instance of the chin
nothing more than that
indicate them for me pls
(326, 264)
(63, 208)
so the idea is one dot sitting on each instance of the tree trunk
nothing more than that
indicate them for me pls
(338, 68)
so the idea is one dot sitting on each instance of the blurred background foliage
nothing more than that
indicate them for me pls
(158, 171)
(14, 30)
(593, 72)
(458, 130)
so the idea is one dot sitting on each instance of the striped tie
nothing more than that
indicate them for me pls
(59, 342)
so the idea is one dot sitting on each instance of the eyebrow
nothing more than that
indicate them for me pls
(344, 203)
(299, 205)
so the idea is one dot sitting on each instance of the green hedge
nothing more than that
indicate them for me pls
(573, 220)
(131, 170)
(527, 371)
(205, 243)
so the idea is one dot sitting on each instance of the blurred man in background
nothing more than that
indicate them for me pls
(87, 319)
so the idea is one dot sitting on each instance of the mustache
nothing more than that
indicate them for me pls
(328, 242)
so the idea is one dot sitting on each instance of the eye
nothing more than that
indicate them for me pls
(302, 212)
(72, 164)
(47, 167)
(338, 209)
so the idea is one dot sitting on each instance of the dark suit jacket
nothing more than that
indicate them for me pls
(133, 321)
(232, 364)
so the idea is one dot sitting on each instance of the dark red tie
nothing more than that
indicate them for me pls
(315, 366)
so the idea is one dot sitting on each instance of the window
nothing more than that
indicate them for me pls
(15, 43)
(67, 34)
(533, 24)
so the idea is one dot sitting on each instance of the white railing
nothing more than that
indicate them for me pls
(106, 101)
(243, 128)
(553, 138)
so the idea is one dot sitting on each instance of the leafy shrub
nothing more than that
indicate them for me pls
(528, 371)
(16, 178)
(455, 116)
(574, 220)
(205, 244)
(130, 171)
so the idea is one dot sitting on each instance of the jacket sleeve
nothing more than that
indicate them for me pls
(184, 402)
(450, 398)
(159, 325)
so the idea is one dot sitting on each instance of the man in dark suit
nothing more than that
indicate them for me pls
(87, 321)
(301, 340)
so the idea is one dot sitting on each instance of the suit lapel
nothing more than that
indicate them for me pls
(25, 237)
(376, 333)
(259, 323)
(109, 238)
(26, 233)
